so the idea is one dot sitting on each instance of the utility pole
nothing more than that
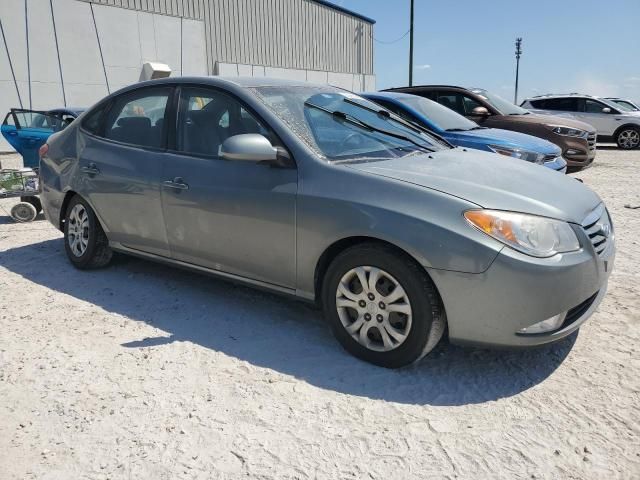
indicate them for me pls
(411, 47)
(518, 53)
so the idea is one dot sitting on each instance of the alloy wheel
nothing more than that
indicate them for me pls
(78, 230)
(629, 138)
(374, 308)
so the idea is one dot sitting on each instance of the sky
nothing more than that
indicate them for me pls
(585, 46)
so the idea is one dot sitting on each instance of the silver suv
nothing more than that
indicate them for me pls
(611, 121)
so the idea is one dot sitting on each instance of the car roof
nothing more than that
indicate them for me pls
(70, 110)
(385, 94)
(417, 87)
(237, 81)
(565, 95)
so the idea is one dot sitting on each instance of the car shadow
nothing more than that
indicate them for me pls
(277, 333)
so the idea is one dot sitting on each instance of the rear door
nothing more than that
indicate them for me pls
(120, 166)
(27, 131)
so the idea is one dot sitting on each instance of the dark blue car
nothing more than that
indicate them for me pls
(462, 132)
(27, 130)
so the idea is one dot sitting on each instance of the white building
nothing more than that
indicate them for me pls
(71, 53)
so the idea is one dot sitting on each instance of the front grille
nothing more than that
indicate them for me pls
(597, 225)
(591, 140)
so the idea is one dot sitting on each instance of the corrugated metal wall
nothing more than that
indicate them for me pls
(297, 34)
(178, 8)
(300, 34)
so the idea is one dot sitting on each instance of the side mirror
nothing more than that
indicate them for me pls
(606, 110)
(480, 112)
(248, 147)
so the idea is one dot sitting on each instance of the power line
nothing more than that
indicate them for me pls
(392, 41)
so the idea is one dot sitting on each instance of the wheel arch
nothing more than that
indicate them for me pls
(63, 208)
(622, 127)
(337, 247)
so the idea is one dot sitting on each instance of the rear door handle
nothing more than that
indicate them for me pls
(91, 169)
(177, 182)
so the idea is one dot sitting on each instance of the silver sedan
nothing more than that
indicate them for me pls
(315, 192)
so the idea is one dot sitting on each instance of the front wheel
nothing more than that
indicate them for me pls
(628, 138)
(382, 306)
(84, 240)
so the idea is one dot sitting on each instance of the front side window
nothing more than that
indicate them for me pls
(592, 106)
(137, 118)
(37, 120)
(208, 117)
(341, 126)
(453, 101)
(504, 107)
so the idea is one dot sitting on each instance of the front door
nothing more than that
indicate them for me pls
(120, 167)
(27, 131)
(590, 111)
(237, 217)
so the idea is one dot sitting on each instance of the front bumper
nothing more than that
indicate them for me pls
(516, 291)
(558, 164)
(579, 152)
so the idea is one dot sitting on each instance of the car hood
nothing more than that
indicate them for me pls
(549, 119)
(491, 181)
(508, 138)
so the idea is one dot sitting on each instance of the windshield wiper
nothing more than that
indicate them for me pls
(478, 128)
(359, 123)
(410, 124)
(457, 129)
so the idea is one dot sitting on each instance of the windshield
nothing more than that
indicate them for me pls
(624, 105)
(503, 106)
(332, 123)
(443, 117)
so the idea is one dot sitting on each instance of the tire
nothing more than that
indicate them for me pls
(410, 334)
(85, 242)
(23, 212)
(628, 138)
(35, 201)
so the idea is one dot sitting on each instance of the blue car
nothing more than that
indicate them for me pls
(462, 132)
(27, 130)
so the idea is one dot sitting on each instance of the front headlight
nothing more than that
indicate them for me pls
(567, 131)
(518, 153)
(530, 234)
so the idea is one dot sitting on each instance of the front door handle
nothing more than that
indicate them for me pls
(91, 169)
(177, 182)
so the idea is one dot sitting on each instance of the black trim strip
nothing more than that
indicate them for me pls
(13, 73)
(104, 68)
(55, 36)
(26, 28)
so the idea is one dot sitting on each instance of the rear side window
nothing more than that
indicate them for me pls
(137, 118)
(93, 121)
(569, 104)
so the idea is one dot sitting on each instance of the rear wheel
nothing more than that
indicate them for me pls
(85, 242)
(628, 138)
(382, 306)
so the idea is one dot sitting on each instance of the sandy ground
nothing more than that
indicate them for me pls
(141, 371)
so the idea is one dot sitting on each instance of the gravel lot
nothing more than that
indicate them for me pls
(142, 371)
